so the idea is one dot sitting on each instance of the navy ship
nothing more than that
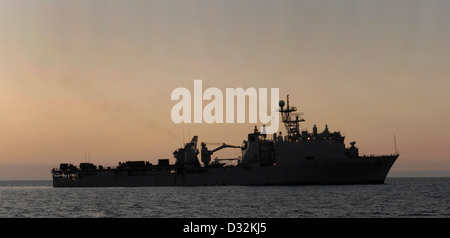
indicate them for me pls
(297, 158)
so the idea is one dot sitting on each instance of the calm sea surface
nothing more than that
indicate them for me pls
(399, 197)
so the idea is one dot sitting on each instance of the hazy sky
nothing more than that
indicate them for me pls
(97, 76)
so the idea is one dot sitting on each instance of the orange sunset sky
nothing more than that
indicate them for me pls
(97, 76)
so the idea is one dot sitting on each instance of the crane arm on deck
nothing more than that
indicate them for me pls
(206, 154)
(224, 146)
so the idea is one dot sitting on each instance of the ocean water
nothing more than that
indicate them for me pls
(397, 198)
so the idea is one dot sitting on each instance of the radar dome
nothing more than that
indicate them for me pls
(281, 103)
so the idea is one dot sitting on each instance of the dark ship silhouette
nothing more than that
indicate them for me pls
(294, 159)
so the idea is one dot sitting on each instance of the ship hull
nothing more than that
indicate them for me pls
(364, 170)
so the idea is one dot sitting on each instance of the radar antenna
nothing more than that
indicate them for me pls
(290, 118)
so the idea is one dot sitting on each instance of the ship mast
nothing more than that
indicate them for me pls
(290, 119)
